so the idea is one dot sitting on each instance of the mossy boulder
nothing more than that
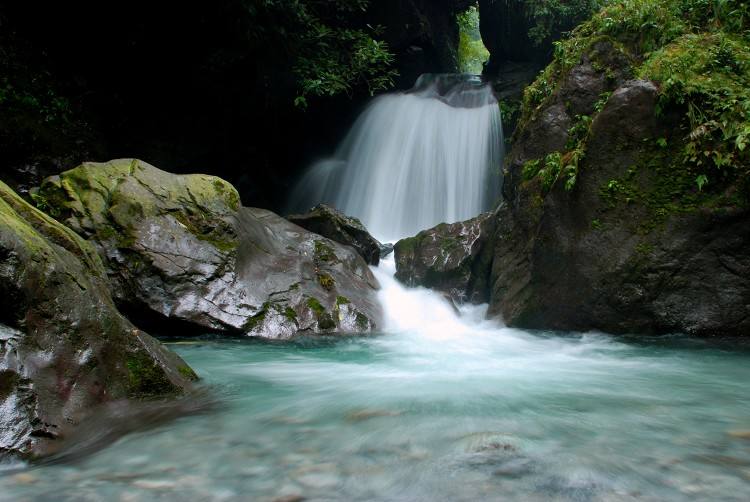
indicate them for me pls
(64, 347)
(453, 258)
(606, 224)
(335, 225)
(184, 256)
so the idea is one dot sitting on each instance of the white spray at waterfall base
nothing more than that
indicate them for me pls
(414, 160)
(424, 312)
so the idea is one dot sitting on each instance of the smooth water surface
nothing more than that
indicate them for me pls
(440, 408)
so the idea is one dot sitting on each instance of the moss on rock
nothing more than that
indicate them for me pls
(111, 199)
(57, 302)
(697, 53)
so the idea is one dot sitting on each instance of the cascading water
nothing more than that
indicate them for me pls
(414, 159)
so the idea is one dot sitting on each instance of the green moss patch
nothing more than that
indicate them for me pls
(342, 300)
(290, 314)
(324, 252)
(146, 378)
(660, 183)
(316, 306)
(326, 281)
(187, 372)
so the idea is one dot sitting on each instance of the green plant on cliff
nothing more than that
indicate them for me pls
(708, 74)
(546, 170)
(36, 99)
(472, 54)
(331, 55)
(554, 16)
(698, 52)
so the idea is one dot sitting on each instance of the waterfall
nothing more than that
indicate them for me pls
(414, 159)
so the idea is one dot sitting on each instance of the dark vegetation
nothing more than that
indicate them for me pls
(250, 90)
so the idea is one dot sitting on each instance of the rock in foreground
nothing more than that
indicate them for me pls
(328, 222)
(181, 248)
(64, 348)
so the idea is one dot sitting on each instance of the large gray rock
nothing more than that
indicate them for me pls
(328, 222)
(452, 258)
(634, 247)
(181, 248)
(64, 348)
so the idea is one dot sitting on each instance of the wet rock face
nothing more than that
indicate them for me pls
(452, 258)
(328, 222)
(181, 248)
(599, 256)
(64, 347)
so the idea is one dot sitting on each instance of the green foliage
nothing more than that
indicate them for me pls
(701, 180)
(552, 17)
(698, 51)
(330, 56)
(472, 54)
(708, 74)
(37, 99)
(510, 110)
(546, 170)
(601, 103)
(555, 166)
(579, 131)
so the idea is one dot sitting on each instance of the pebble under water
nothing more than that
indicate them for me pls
(437, 408)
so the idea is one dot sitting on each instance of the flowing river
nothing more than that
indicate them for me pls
(440, 407)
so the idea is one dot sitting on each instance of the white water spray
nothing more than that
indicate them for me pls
(414, 159)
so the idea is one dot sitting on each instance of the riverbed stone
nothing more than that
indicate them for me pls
(64, 348)
(182, 254)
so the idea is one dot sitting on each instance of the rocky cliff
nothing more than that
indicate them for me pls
(626, 210)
